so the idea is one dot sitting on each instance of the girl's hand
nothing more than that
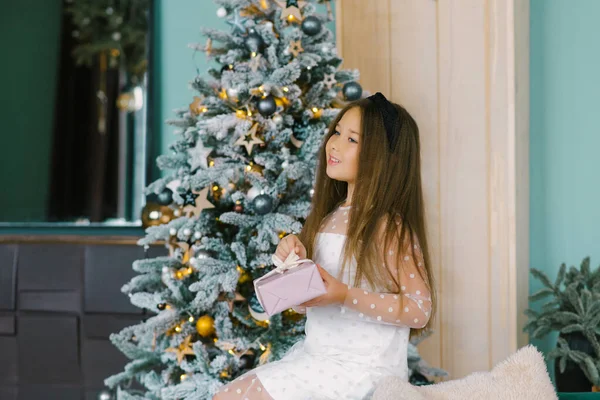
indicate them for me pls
(289, 243)
(336, 291)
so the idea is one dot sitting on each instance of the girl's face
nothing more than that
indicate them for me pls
(343, 147)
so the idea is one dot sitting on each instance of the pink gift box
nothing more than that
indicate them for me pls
(292, 283)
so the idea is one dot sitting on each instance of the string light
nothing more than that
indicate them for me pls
(177, 328)
(183, 377)
(215, 188)
(286, 89)
(191, 319)
(211, 163)
(253, 54)
(249, 113)
(290, 17)
(240, 113)
(315, 109)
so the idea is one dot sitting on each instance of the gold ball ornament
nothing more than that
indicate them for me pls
(205, 326)
(151, 215)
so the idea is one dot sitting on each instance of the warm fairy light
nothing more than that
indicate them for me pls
(248, 168)
(215, 188)
(168, 307)
(204, 109)
(249, 113)
(315, 109)
(189, 270)
(231, 352)
(290, 17)
(261, 88)
(183, 377)
(230, 66)
(177, 328)
(240, 113)
(215, 340)
(267, 321)
(286, 89)
(263, 348)
(309, 67)
(253, 54)
(223, 94)
(191, 319)
(211, 163)
(179, 274)
(238, 202)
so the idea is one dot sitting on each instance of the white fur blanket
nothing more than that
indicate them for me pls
(522, 376)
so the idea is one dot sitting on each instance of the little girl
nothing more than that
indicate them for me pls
(366, 232)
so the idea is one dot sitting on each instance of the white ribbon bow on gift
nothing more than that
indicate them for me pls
(291, 261)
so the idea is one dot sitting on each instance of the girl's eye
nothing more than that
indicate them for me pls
(336, 132)
(353, 140)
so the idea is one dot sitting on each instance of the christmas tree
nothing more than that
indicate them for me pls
(239, 178)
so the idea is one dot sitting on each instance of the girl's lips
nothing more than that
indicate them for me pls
(330, 161)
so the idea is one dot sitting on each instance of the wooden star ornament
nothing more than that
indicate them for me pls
(253, 139)
(255, 62)
(291, 9)
(296, 47)
(208, 47)
(200, 203)
(329, 80)
(196, 107)
(183, 349)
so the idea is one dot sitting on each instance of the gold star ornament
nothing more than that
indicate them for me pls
(196, 107)
(182, 350)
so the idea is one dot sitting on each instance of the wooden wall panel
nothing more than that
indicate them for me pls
(414, 60)
(455, 65)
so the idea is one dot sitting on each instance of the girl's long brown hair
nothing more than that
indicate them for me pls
(388, 184)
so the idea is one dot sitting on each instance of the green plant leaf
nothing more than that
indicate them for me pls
(531, 313)
(572, 328)
(585, 268)
(541, 294)
(565, 317)
(541, 331)
(542, 277)
(561, 275)
(563, 364)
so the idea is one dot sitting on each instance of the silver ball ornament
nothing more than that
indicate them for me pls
(221, 12)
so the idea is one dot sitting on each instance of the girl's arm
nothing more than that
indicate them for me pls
(411, 306)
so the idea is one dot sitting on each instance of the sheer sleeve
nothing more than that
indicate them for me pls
(410, 305)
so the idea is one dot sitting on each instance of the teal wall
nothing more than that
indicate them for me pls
(565, 140)
(178, 23)
(30, 40)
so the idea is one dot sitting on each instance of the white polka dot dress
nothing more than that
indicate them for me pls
(347, 349)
